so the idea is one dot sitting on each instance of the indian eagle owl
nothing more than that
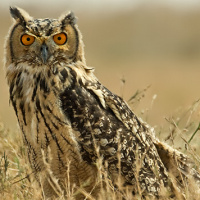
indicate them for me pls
(70, 121)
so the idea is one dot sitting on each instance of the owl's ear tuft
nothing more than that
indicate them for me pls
(68, 19)
(20, 15)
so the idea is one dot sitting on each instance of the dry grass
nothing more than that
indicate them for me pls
(15, 173)
(17, 182)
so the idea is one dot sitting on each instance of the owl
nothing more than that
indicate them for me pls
(76, 131)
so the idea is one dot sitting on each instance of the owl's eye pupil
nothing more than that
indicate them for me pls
(59, 38)
(28, 39)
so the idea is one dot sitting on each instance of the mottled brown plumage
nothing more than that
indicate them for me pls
(70, 121)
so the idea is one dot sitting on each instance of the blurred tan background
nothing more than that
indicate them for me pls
(143, 43)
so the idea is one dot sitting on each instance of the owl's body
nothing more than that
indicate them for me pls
(70, 121)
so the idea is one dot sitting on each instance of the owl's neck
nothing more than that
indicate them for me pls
(60, 75)
(35, 97)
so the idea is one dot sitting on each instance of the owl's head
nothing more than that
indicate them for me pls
(43, 41)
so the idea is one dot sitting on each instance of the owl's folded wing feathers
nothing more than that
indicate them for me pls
(177, 164)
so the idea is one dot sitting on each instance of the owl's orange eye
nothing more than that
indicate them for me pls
(60, 38)
(27, 39)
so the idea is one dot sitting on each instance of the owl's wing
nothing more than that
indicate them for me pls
(99, 117)
(121, 110)
(174, 161)
(136, 133)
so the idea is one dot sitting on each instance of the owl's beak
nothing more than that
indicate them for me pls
(44, 53)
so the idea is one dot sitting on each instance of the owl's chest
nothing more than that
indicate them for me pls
(37, 107)
(40, 118)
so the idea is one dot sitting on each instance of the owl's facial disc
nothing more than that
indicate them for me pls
(44, 41)
(44, 46)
